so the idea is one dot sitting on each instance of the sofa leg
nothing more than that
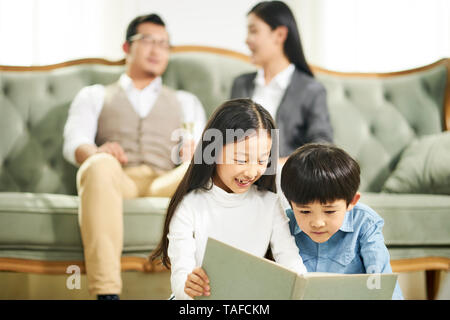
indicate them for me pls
(432, 282)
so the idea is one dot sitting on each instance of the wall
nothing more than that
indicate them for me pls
(343, 35)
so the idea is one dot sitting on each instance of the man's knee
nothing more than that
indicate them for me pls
(98, 166)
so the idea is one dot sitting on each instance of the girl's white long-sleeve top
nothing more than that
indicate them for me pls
(250, 221)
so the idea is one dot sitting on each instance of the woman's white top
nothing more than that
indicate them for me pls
(249, 221)
(270, 95)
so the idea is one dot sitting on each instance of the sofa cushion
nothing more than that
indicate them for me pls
(45, 226)
(414, 225)
(423, 167)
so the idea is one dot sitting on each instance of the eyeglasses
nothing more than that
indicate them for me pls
(150, 41)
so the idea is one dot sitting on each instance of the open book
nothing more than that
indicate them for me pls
(237, 275)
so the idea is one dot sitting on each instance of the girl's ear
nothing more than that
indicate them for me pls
(354, 201)
(282, 33)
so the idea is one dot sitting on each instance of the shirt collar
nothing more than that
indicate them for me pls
(127, 83)
(297, 229)
(281, 80)
(347, 224)
(290, 213)
(259, 80)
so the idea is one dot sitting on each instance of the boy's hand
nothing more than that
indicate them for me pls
(197, 283)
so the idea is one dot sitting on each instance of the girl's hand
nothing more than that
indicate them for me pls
(197, 283)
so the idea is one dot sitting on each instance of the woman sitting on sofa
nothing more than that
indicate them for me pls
(284, 84)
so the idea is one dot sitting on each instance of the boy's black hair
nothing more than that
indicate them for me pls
(133, 25)
(320, 172)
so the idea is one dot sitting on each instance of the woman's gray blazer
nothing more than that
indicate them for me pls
(302, 115)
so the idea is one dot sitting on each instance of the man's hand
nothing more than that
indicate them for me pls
(114, 149)
(84, 151)
(197, 283)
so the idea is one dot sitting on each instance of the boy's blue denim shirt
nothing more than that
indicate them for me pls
(357, 247)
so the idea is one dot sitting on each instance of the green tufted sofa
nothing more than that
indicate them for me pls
(375, 117)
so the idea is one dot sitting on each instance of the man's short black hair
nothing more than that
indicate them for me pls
(320, 172)
(132, 27)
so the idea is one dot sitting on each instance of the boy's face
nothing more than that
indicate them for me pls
(321, 221)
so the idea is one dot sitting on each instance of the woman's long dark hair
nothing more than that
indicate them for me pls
(234, 114)
(275, 14)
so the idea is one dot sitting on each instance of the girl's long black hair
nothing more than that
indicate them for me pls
(275, 14)
(233, 114)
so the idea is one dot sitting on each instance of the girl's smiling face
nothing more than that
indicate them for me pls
(243, 162)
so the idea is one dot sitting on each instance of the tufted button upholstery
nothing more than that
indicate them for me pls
(206, 75)
(373, 118)
(34, 108)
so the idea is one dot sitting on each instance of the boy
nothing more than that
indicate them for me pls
(334, 232)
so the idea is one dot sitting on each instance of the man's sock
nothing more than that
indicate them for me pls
(108, 297)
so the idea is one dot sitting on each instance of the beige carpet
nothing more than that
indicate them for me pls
(136, 285)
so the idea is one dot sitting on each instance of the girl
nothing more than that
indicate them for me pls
(284, 84)
(226, 195)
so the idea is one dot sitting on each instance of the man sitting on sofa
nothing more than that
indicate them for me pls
(121, 135)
